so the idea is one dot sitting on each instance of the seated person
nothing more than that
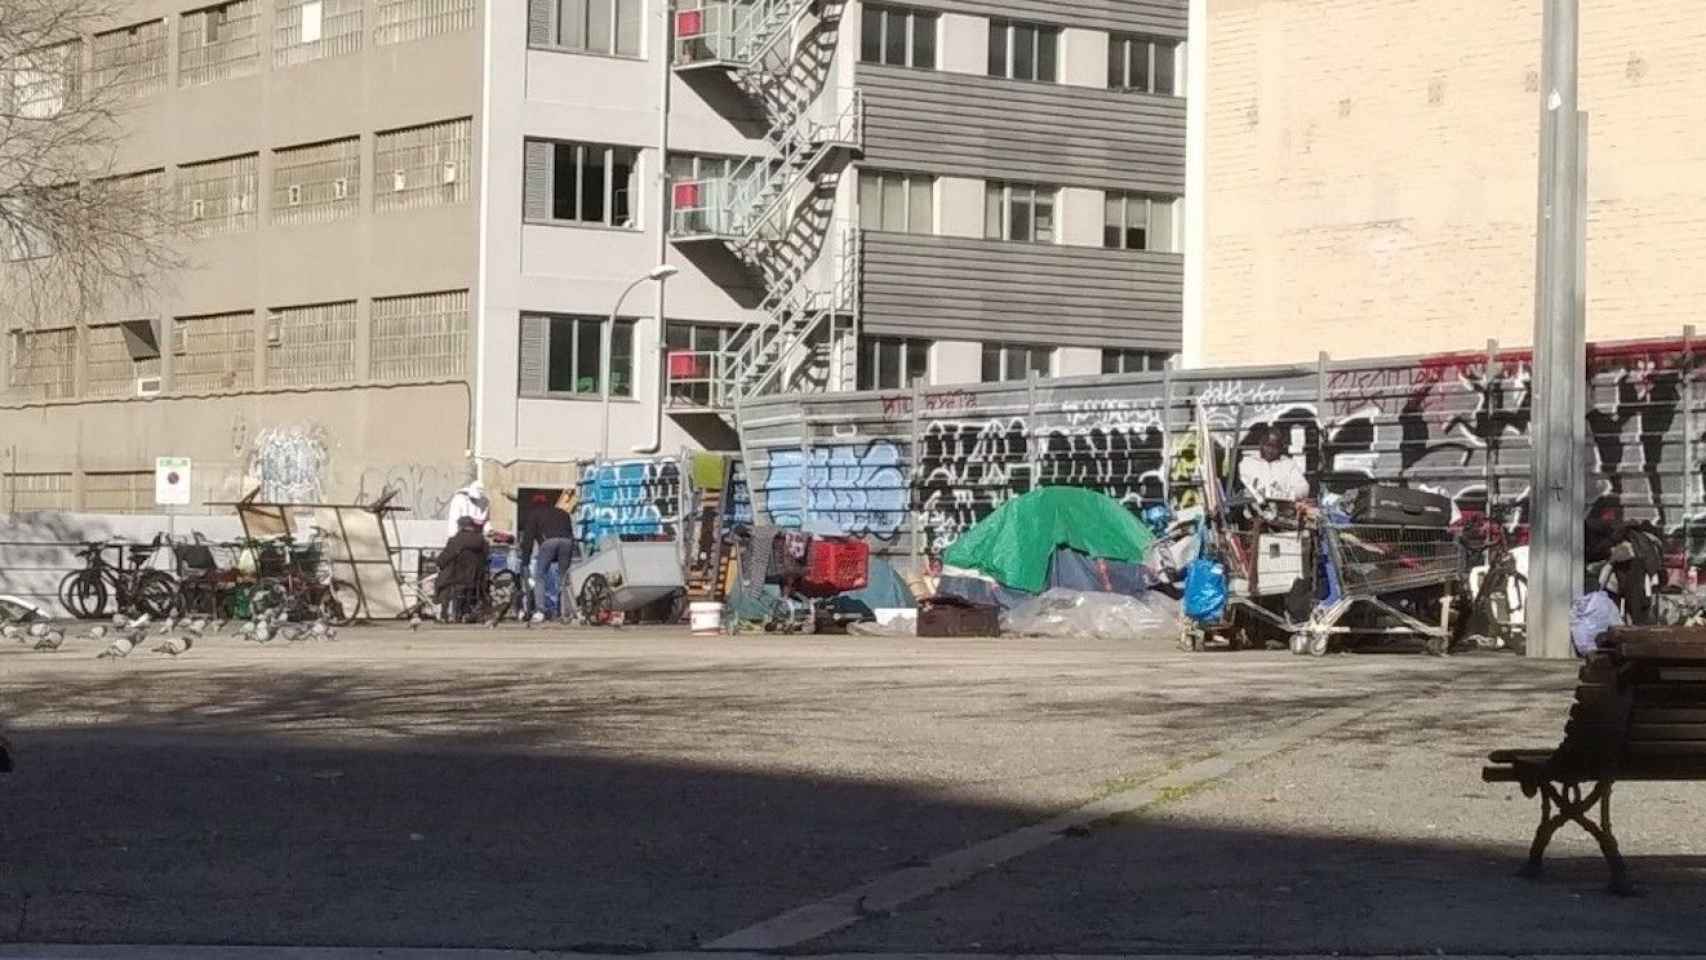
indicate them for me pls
(1274, 474)
(461, 566)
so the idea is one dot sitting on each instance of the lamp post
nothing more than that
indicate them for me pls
(657, 274)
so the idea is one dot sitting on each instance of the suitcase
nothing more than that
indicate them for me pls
(953, 617)
(1378, 505)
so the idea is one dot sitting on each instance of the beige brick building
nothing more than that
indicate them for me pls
(1366, 174)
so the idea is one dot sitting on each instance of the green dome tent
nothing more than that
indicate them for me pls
(1016, 542)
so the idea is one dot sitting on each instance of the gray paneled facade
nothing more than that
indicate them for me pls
(1160, 17)
(962, 125)
(989, 290)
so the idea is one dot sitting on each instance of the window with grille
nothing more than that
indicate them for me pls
(399, 21)
(317, 183)
(897, 202)
(1133, 221)
(898, 37)
(892, 363)
(118, 356)
(586, 26)
(218, 196)
(693, 168)
(422, 166)
(25, 492)
(1024, 51)
(43, 364)
(1019, 211)
(213, 352)
(420, 336)
(308, 30)
(219, 43)
(131, 61)
(585, 183)
(311, 345)
(1134, 361)
(692, 386)
(1016, 361)
(1143, 64)
(39, 84)
(560, 356)
(128, 491)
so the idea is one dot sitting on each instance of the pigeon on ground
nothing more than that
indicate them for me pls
(177, 646)
(415, 622)
(96, 632)
(120, 619)
(51, 640)
(13, 632)
(140, 623)
(196, 626)
(170, 624)
(38, 629)
(121, 647)
(247, 631)
(263, 632)
(219, 625)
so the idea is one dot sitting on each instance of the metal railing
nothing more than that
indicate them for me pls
(733, 34)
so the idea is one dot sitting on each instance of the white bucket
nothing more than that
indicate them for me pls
(705, 618)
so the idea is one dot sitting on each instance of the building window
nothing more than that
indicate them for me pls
(218, 196)
(1134, 221)
(317, 183)
(121, 359)
(424, 166)
(690, 377)
(897, 202)
(688, 211)
(1019, 211)
(892, 363)
(37, 491)
(218, 43)
(311, 345)
(583, 183)
(1024, 51)
(586, 26)
(39, 84)
(899, 37)
(1134, 361)
(1143, 64)
(1016, 361)
(420, 336)
(43, 364)
(309, 30)
(560, 356)
(129, 491)
(399, 21)
(213, 352)
(131, 61)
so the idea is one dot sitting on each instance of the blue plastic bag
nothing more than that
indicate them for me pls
(1205, 590)
(1590, 616)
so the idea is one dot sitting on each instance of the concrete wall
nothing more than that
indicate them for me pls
(1370, 173)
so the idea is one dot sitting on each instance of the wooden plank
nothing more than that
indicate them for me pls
(1669, 748)
(1661, 732)
(1632, 644)
(1646, 714)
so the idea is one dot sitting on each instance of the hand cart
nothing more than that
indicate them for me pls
(625, 574)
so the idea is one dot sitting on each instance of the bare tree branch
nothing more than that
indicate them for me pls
(77, 232)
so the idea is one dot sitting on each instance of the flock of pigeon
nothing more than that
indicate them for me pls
(127, 634)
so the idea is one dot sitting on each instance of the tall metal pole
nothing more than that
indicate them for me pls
(1558, 383)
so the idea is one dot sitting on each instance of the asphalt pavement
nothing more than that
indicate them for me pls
(624, 791)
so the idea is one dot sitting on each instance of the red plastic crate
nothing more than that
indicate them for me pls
(837, 565)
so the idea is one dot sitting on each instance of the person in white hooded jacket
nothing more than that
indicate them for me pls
(470, 501)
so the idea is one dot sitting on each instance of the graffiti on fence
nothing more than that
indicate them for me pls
(633, 497)
(855, 488)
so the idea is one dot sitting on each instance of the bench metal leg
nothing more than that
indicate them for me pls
(1573, 808)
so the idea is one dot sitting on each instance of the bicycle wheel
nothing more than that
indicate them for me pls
(340, 603)
(266, 598)
(157, 593)
(83, 594)
(501, 589)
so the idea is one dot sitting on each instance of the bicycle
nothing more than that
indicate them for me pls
(132, 590)
(295, 578)
(1499, 599)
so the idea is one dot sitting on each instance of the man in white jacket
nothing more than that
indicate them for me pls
(1275, 474)
(470, 501)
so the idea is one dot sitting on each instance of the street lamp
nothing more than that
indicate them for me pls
(657, 274)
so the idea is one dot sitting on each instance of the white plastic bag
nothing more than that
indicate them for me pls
(1590, 617)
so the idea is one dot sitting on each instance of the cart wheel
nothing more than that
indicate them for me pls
(1438, 646)
(1299, 642)
(1319, 641)
(595, 599)
(677, 608)
(1190, 638)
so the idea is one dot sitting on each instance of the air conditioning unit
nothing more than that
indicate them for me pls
(147, 386)
(294, 192)
(340, 188)
(399, 181)
(447, 175)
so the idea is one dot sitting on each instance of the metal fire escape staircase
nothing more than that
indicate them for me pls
(768, 209)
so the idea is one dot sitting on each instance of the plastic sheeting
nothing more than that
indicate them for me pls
(1101, 616)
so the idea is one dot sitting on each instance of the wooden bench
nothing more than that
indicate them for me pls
(1639, 714)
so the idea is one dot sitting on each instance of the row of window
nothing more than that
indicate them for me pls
(905, 203)
(893, 363)
(411, 337)
(905, 37)
(222, 42)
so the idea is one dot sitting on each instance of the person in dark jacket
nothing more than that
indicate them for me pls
(550, 530)
(461, 566)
